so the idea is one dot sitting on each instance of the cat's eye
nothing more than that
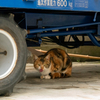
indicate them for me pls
(46, 66)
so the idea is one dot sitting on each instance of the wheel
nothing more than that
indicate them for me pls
(13, 54)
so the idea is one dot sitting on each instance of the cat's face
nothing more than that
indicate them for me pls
(42, 63)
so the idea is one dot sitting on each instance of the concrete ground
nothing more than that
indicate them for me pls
(83, 85)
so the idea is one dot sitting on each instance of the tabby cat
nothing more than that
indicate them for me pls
(54, 64)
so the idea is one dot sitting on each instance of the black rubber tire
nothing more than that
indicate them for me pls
(7, 24)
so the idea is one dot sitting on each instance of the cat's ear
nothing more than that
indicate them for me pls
(47, 57)
(35, 57)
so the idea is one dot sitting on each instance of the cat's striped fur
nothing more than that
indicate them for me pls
(54, 64)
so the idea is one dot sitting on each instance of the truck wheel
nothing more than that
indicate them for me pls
(13, 54)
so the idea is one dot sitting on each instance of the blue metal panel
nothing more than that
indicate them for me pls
(73, 5)
(58, 19)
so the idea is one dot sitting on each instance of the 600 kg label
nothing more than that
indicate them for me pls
(58, 3)
(62, 3)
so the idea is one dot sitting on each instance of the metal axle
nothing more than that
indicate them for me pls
(5, 52)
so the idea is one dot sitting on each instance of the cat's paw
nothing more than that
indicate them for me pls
(45, 77)
(56, 75)
(41, 77)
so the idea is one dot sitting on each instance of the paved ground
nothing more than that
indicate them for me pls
(83, 85)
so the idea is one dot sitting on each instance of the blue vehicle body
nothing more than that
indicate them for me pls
(69, 17)
(71, 5)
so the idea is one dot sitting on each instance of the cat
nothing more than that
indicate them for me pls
(56, 63)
